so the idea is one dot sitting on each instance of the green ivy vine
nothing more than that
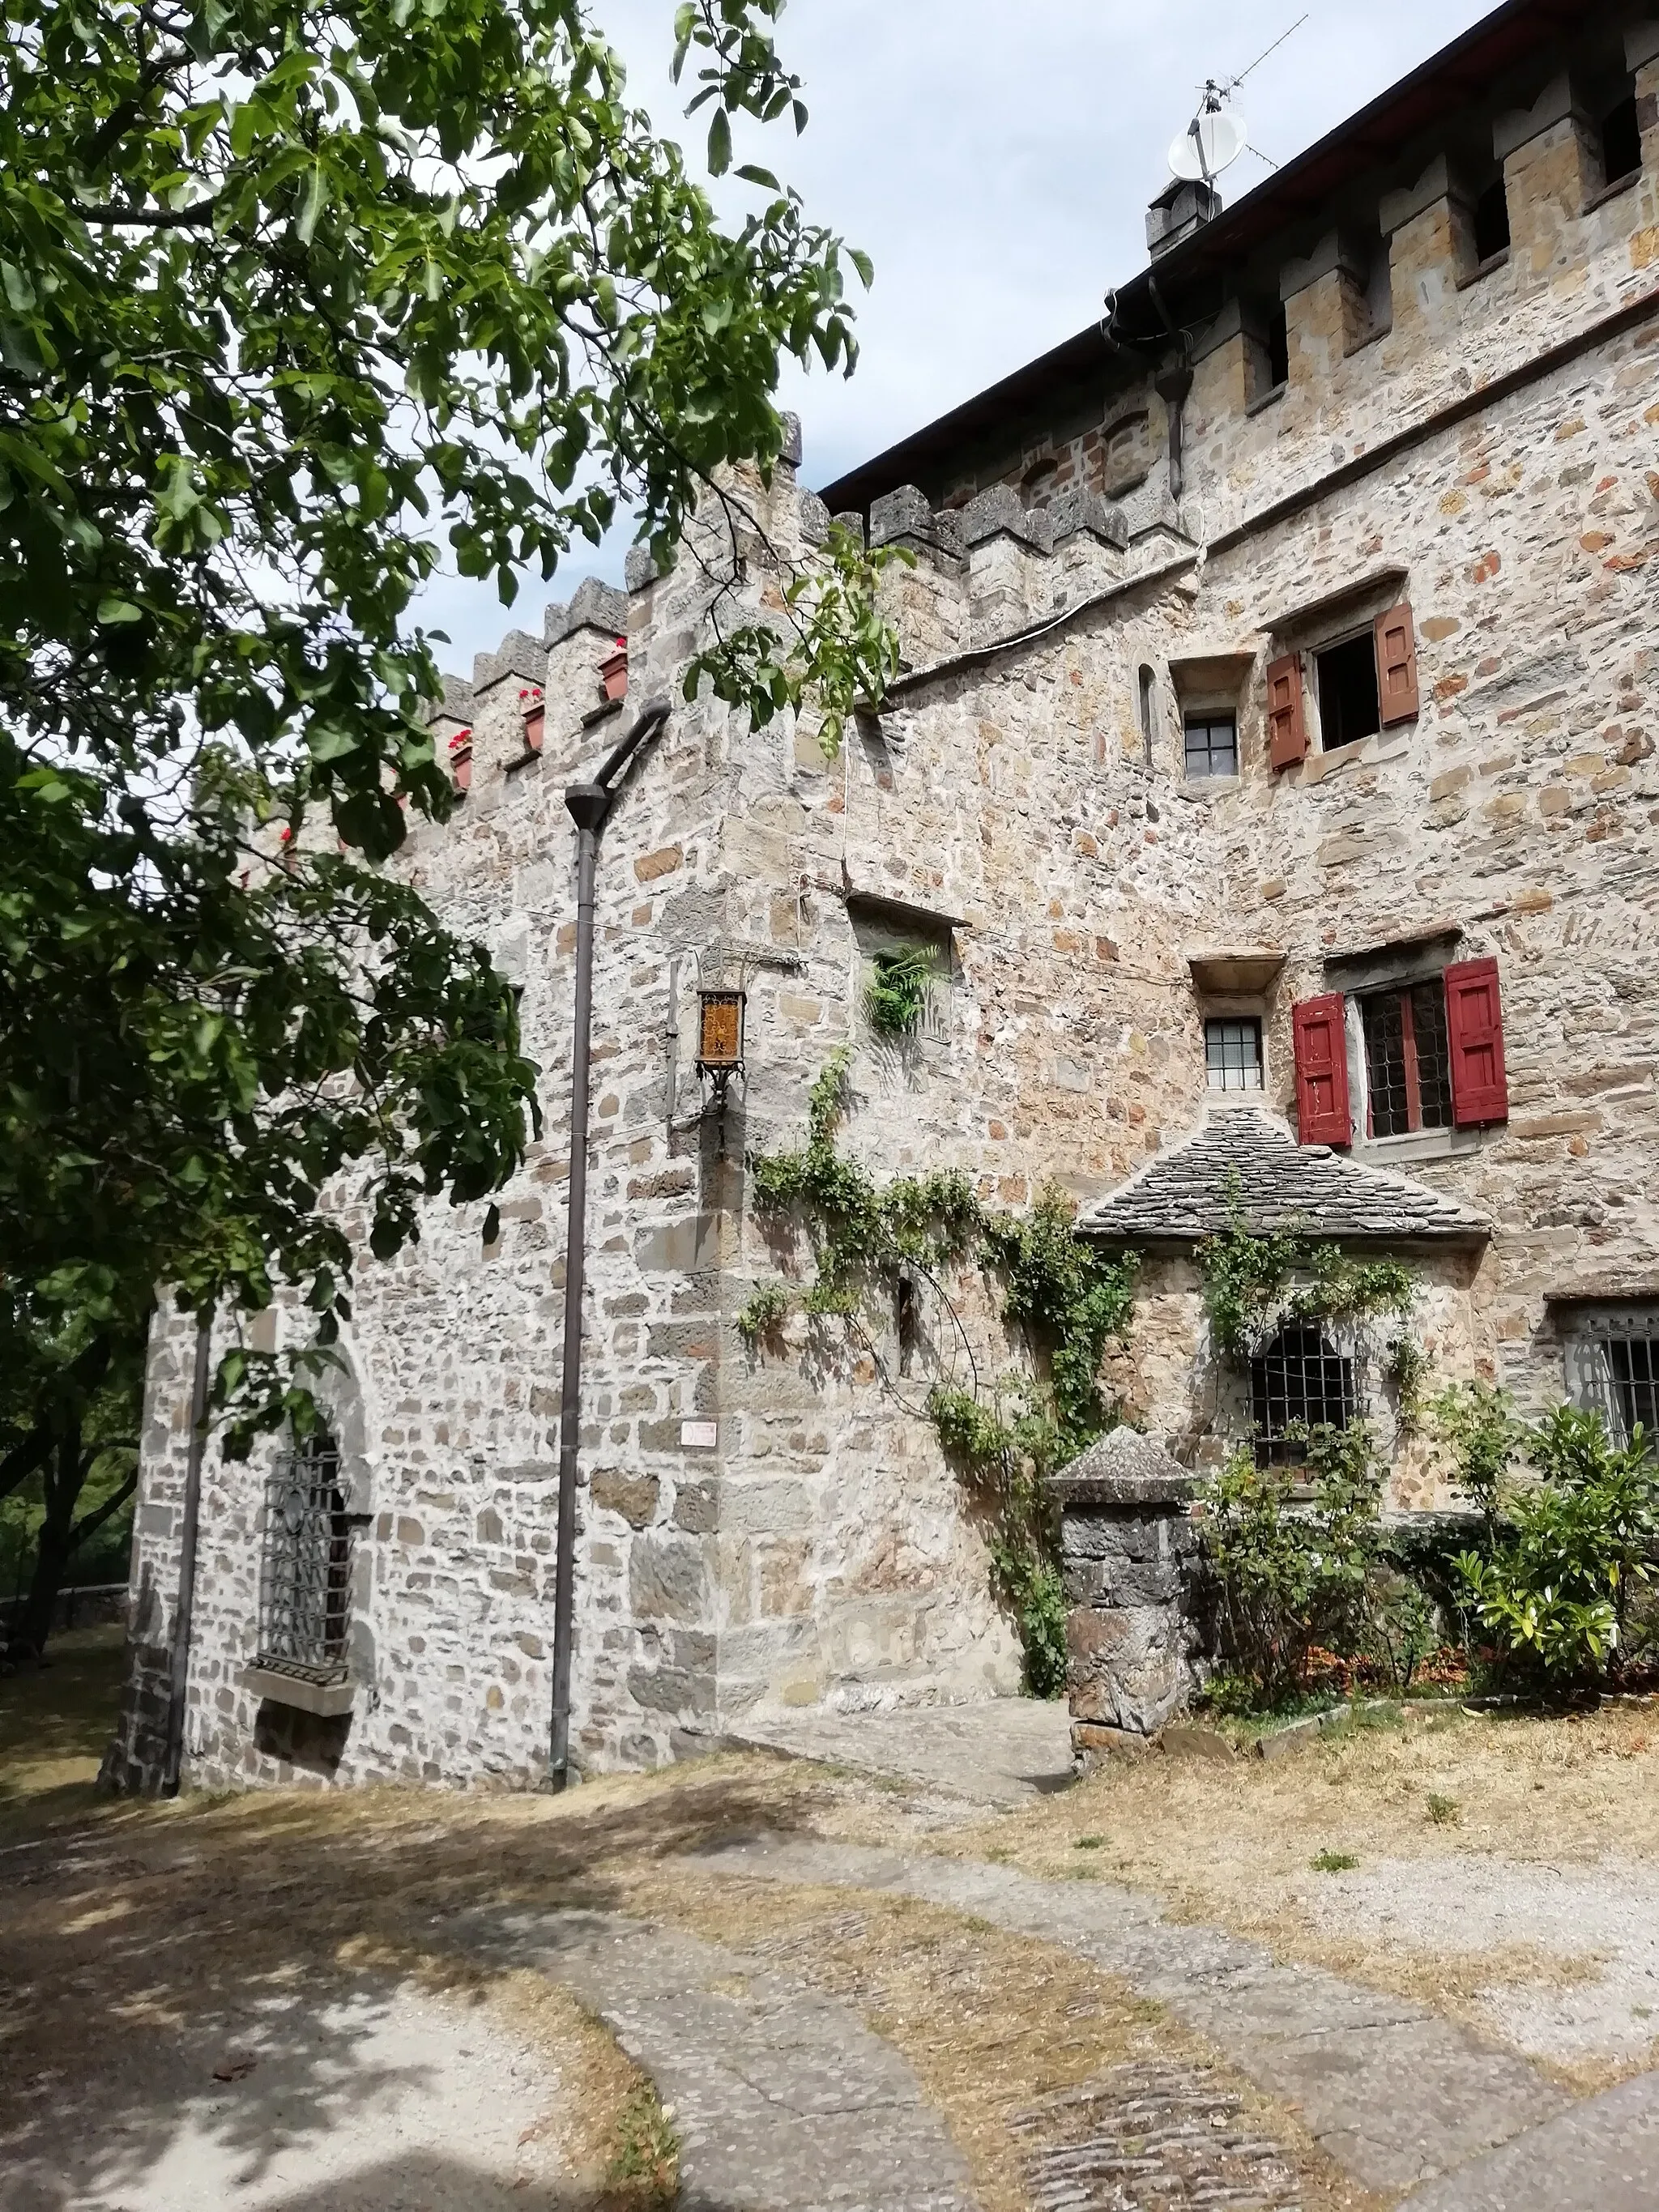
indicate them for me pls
(1005, 1437)
(1253, 1285)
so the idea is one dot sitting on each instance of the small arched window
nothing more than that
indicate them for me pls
(1299, 1380)
(305, 1566)
(1038, 482)
(1146, 685)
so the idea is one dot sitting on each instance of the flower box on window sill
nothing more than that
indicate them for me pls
(613, 671)
(533, 708)
(460, 759)
(305, 1693)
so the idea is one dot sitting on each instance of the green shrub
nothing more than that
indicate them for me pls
(1292, 1576)
(768, 1305)
(1333, 1862)
(1555, 1595)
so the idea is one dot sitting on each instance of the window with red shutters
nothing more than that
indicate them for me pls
(1396, 665)
(1475, 1037)
(1320, 1030)
(1287, 717)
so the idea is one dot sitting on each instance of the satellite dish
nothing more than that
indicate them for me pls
(1211, 141)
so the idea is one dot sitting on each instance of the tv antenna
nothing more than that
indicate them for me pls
(1216, 136)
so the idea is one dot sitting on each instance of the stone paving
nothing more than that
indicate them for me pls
(1601, 2156)
(1004, 1752)
(1394, 2093)
(783, 2099)
(1151, 2134)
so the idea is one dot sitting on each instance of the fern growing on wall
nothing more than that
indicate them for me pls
(897, 989)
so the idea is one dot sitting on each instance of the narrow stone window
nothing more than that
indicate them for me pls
(1613, 1368)
(1146, 690)
(1233, 1052)
(1212, 745)
(1408, 1064)
(1491, 224)
(305, 1566)
(1620, 136)
(1298, 1381)
(1349, 706)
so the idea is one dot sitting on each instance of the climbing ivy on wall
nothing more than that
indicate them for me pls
(1253, 1285)
(1008, 1435)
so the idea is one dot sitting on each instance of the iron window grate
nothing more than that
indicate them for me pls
(1211, 745)
(1232, 1053)
(1299, 1382)
(304, 1567)
(1618, 1376)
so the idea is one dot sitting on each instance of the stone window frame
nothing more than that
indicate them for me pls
(1386, 969)
(1340, 617)
(1339, 1349)
(885, 927)
(307, 1561)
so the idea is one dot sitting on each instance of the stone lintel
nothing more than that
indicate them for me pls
(1245, 968)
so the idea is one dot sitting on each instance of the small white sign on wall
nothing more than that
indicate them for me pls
(699, 1435)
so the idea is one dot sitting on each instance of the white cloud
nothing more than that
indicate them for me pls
(994, 158)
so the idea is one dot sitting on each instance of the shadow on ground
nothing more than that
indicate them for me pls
(204, 1993)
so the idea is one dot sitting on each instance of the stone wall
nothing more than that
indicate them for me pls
(1007, 803)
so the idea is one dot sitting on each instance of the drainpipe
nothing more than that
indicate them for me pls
(173, 1761)
(1172, 387)
(589, 806)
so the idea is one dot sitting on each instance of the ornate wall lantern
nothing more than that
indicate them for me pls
(719, 1036)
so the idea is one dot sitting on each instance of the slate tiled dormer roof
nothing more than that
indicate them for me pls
(1185, 1194)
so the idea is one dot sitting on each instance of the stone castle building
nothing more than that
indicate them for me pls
(1273, 778)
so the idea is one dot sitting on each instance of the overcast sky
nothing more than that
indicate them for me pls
(994, 158)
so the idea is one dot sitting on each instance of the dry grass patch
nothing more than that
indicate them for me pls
(1236, 1843)
(991, 2023)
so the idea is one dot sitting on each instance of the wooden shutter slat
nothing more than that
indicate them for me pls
(1396, 665)
(1319, 1028)
(1287, 717)
(1475, 1039)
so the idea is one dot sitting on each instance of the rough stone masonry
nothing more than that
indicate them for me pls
(1279, 705)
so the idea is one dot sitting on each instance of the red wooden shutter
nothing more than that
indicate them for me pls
(1475, 1037)
(1396, 665)
(1320, 1027)
(1287, 719)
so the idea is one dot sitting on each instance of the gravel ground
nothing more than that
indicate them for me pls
(375, 2097)
(1607, 1912)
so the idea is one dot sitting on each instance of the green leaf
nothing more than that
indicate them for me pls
(119, 611)
(720, 144)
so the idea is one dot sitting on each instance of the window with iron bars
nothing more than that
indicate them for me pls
(305, 1566)
(1299, 1380)
(1408, 1064)
(1613, 1362)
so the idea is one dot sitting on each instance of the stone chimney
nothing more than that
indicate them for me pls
(1179, 208)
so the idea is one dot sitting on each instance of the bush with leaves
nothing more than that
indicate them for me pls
(1555, 1594)
(1294, 1573)
(1254, 1284)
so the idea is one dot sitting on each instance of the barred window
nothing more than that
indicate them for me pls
(1613, 1368)
(1233, 1052)
(1408, 1062)
(1298, 1381)
(1211, 745)
(305, 1566)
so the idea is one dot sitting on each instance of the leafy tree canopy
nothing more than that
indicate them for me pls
(291, 297)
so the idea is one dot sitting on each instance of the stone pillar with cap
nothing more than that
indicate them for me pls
(1132, 1564)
